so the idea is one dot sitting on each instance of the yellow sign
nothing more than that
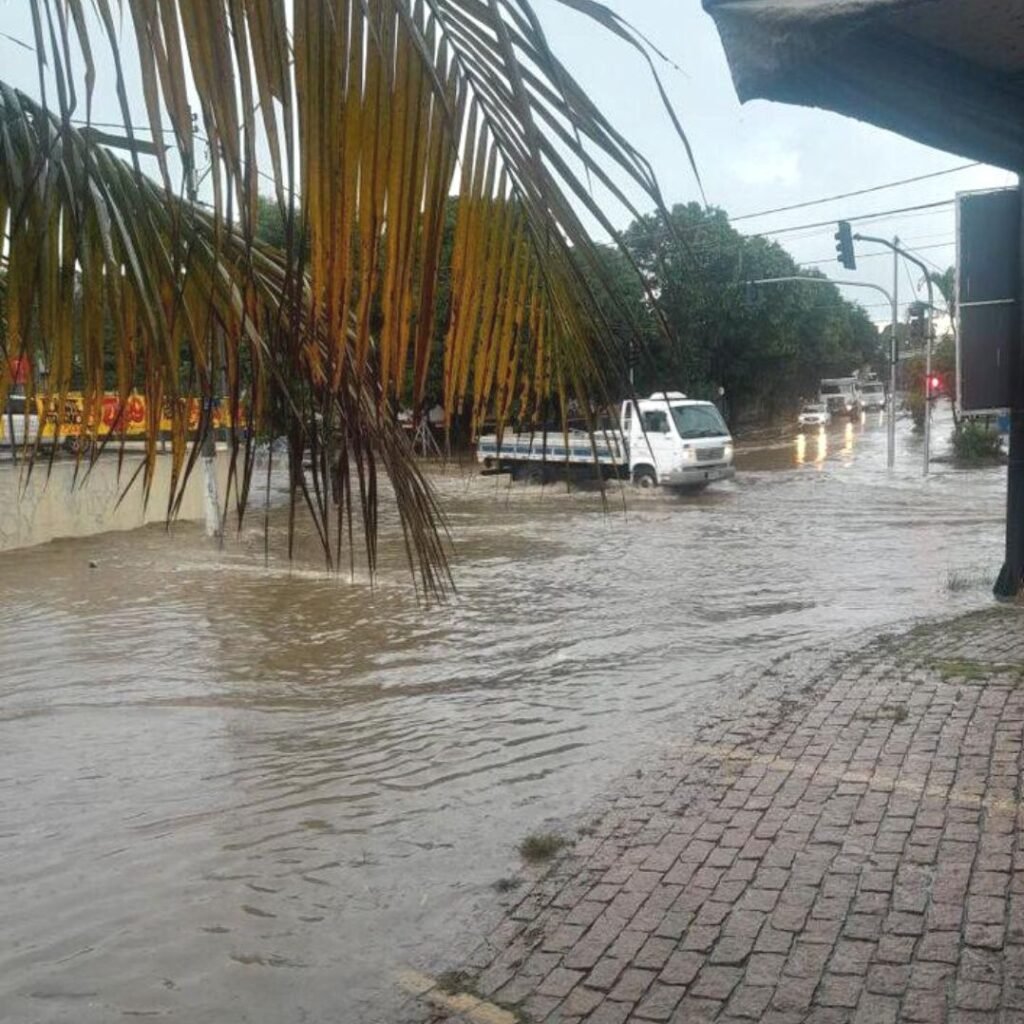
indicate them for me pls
(113, 416)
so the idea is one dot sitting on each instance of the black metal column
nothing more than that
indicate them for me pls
(1011, 577)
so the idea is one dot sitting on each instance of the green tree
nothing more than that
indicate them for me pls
(766, 354)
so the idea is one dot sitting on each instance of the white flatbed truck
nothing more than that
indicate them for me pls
(667, 440)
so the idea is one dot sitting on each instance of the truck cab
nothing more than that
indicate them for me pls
(841, 396)
(675, 441)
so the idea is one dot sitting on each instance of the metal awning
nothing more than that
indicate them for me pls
(949, 73)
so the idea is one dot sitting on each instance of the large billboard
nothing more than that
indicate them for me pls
(988, 288)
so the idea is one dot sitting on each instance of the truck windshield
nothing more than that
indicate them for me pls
(698, 421)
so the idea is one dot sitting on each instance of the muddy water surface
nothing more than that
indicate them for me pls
(230, 793)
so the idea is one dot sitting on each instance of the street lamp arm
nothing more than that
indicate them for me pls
(826, 280)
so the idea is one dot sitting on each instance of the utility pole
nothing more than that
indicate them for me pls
(891, 453)
(929, 327)
(894, 351)
(208, 444)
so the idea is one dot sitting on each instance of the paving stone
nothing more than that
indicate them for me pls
(660, 1002)
(888, 979)
(925, 1005)
(943, 946)
(977, 995)
(632, 984)
(764, 969)
(681, 968)
(559, 982)
(875, 1009)
(750, 1001)
(716, 982)
(693, 1010)
(605, 973)
(610, 1013)
(839, 990)
(895, 949)
(581, 1001)
(794, 993)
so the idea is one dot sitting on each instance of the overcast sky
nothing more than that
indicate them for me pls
(751, 158)
(761, 155)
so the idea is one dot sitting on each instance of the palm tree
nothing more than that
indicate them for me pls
(945, 282)
(363, 115)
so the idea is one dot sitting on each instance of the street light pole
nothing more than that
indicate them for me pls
(897, 252)
(891, 452)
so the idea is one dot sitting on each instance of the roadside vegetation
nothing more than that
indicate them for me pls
(541, 846)
(976, 443)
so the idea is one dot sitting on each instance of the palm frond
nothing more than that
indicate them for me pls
(364, 114)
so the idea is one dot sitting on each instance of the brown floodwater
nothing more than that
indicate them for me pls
(235, 793)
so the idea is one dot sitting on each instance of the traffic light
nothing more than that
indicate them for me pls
(750, 293)
(916, 312)
(844, 246)
(933, 384)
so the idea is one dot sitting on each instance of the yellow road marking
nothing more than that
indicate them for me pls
(474, 1009)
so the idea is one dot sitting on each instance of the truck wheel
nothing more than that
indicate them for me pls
(532, 476)
(645, 478)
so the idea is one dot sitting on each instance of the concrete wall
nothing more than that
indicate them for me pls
(44, 506)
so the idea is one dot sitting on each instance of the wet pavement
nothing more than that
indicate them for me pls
(234, 793)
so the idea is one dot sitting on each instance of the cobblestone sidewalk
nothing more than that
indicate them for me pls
(850, 848)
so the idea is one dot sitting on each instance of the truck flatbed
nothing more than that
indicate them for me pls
(575, 448)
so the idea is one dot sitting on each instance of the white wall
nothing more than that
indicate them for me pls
(44, 505)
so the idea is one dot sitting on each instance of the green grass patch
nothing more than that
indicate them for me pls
(974, 671)
(541, 846)
(892, 712)
(455, 982)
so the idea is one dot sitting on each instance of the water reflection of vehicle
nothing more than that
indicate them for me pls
(815, 415)
(666, 440)
(818, 445)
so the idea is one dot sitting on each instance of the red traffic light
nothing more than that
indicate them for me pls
(934, 383)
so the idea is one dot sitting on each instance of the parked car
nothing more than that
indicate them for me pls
(815, 415)
(20, 423)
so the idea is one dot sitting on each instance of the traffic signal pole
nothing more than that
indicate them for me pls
(891, 453)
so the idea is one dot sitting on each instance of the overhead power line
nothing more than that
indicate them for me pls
(858, 217)
(881, 252)
(857, 192)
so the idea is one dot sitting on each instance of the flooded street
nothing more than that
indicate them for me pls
(236, 794)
